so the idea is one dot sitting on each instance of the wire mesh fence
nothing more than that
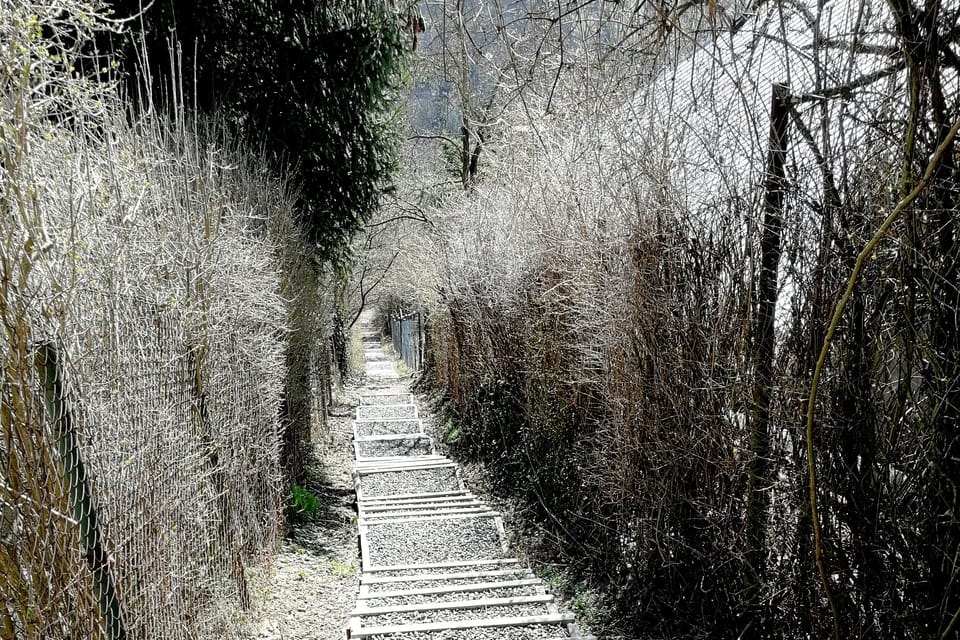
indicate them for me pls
(140, 475)
(640, 336)
(142, 350)
(407, 342)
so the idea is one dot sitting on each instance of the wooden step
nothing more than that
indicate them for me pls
(415, 496)
(386, 437)
(557, 618)
(482, 603)
(450, 588)
(396, 466)
(450, 564)
(423, 504)
(378, 520)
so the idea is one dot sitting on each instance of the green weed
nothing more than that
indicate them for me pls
(304, 503)
(451, 431)
(343, 569)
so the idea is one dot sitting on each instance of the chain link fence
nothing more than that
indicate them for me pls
(145, 319)
(140, 475)
(406, 335)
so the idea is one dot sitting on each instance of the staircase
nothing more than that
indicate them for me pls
(434, 558)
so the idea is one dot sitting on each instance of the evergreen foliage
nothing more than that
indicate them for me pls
(312, 82)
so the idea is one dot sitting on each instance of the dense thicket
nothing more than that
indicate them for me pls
(598, 297)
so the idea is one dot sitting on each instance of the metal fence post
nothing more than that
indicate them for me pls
(78, 487)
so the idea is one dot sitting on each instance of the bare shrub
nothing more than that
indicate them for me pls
(141, 471)
(593, 318)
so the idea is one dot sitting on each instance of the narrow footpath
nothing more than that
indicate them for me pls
(435, 564)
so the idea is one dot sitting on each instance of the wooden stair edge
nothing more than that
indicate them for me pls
(447, 605)
(374, 520)
(484, 623)
(448, 564)
(450, 588)
(440, 577)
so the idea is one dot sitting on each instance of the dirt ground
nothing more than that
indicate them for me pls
(311, 587)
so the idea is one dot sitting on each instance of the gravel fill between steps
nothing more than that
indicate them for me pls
(387, 427)
(453, 596)
(413, 481)
(386, 411)
(393, 398)
(445, 615)
(405, 447)
(527, 632)
(434, 541)
(413, 583)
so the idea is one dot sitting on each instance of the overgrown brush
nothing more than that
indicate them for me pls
(594, 321)
(156, 257)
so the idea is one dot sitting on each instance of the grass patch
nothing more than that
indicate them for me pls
(584, 601)
(401, 368)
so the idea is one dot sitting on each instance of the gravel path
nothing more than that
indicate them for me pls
(416, 533)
